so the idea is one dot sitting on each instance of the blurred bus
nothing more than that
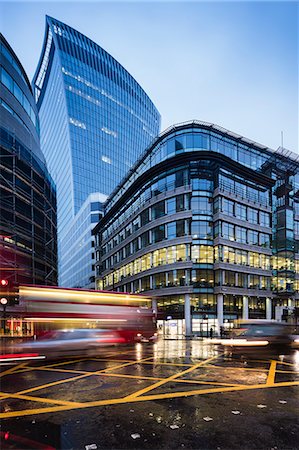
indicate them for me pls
(44, 309)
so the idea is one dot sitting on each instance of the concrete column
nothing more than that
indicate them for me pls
(151, 281)
(223, 278)
(188, 319)
(154, 305)
(268, 308)
(220, 309)
(187, 252)
(237, 279)
(245, 307)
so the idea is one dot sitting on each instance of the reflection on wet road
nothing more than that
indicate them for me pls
(194, 376)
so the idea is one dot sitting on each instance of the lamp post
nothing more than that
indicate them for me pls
(3, 302)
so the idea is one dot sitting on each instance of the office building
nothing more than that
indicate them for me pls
(95, 122)
(28, 236)
(207, 223)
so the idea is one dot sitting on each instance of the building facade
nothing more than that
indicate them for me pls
(28, 235)
(207, 223)
(95, 122)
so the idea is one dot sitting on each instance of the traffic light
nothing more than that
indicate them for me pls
(9, 292)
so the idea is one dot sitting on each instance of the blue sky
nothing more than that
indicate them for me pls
(231, 63)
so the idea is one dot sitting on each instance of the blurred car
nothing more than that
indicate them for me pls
(55, 344)
(259, 335)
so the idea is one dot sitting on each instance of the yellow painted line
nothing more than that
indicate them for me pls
(12, 369)
(132, 363)
(176, 381)
(145, 398)
(54, 383)
(138, 377)
(271, 374)
(171, 378)
(238, 368)
(53, 369)
(148, 362)
(63, 363)
(42, 400)
(44, 386)
(287, 371)
(285, 363)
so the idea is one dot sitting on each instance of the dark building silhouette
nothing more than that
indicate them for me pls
(28, 247)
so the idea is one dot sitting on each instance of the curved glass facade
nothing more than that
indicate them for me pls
(96, 121)
(203, 223)
(27, 192)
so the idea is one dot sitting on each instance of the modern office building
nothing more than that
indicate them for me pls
(207, 222)
(28, 235)
(95, 122)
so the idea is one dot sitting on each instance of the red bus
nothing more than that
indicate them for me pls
(43, 309)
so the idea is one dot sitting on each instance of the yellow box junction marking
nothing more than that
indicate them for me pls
(138, 395)
(271, 374)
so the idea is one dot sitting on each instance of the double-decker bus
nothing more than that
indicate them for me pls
(43, 309)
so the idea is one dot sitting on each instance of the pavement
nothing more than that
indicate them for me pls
(173, 394)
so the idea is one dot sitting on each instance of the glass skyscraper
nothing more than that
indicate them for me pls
(95, 122)
(28, 243)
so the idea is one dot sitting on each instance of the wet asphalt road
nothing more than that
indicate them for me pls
(171, 395)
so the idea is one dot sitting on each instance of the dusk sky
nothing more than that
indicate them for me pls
(234, 64)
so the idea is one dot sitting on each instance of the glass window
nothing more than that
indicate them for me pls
(135, 244)
(171, 254)
(170, 182)
(201, 229)
(145, 262)
(95, 218)
(171, 230)
(227, 207)
(240, 211)
(180, 205)
(252, 215)
(136, 224)
(18, 93)
(202, 184)
(206, 254)
(181, 178)
(159, 280)
(201, 205)
(228, 255)
(171, 205)
(26, 105)
(95, 206)
(181, 252)
(162, 256)
(158, 210)
(145, 239)
(6, 80)
(228, 231)
(145, 283)
(241, 235)
(144, 216)
(264, 219)
(241, 257)
(180, 228)
(179, 144)
(158, 234)
(180, 279)
(202, 278)
(264, 240)
(253, 237)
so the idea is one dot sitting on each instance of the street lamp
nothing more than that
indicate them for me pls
(3, 302)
